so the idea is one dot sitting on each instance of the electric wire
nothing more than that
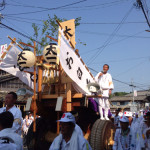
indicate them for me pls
(55, 8)
(110, 38)
(129, 84)
(89, 51)
(10, 28)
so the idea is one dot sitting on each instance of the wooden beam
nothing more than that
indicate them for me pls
(34, 96)
(68, 90)
(26, 44)
(52, 38)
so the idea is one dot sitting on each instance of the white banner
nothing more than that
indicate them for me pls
(9, 64)
(3, 49)
(73, 66)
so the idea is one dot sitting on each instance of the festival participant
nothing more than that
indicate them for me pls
(104, 79)
(9, 140)
(147, 131)
(10, 100)
(123, 137)
(116, 118)
(69, 139)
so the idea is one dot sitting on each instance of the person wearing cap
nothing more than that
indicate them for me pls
(9, 140)
(10, 100)
(104, 79)
(123, 137)
(69, 139)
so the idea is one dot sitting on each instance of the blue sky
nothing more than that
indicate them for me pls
(115, 25)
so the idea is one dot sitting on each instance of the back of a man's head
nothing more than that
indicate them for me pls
(14, 95)
(6, 120)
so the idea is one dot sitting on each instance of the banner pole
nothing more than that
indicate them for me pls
(34, 97)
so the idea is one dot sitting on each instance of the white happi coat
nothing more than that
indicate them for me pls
(17, 124)
(119, 141)
(116, 121)
(77, 142)
(105, 82)
(9, 133)
(147, 139)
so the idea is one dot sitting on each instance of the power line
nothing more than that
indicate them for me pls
(89, 6)
(118, 35)
(10, 28)
(110, 23)
(119, 80)
(109, 38)
(46, 9)
(113, 42)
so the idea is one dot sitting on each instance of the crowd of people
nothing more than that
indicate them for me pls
(132, 132)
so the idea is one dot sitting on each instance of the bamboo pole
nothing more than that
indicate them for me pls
(9, 47)
(52, 38)
(34, 97)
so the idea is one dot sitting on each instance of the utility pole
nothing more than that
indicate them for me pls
(133, 105)
(1, 16)
(141, 5)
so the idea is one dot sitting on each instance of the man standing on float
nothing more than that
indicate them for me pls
(104, 79)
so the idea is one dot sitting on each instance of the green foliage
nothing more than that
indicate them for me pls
(120, 93)
(50, 27)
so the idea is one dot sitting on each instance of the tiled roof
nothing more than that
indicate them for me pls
(141, 96)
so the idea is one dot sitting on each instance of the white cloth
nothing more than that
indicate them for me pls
(78, 129)
(121, 141)
(77, 142)
(9, 133)
(105, 82)
(8, 146)
(147, 139)
(116, 121)
(17, 124)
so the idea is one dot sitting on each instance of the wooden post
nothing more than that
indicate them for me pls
(34, 97)
(40, 75)
(68, 96)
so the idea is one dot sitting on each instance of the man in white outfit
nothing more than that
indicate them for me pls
(9, 140)
(69, 138)
(104, 79)
(10, 100)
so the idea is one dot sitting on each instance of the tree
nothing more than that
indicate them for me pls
(50, 27)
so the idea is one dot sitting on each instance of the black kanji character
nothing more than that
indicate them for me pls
(79, 73)
(69, 61)
(66, 31)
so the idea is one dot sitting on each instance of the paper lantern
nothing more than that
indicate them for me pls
(26, 59)
(50, 53)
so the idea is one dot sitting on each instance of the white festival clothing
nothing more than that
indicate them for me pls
(116, 121)
(9, 133)
(105, 82)
(78, 129)
(122, 141)
(77, 142)
(17, 124)
(147, 139)
(7, 146)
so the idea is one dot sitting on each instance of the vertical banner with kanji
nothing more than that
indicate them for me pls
(69, 28)
(73, 66)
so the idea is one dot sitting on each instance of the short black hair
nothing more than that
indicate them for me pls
(6, 119)
(14, 95)
(106, 65)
